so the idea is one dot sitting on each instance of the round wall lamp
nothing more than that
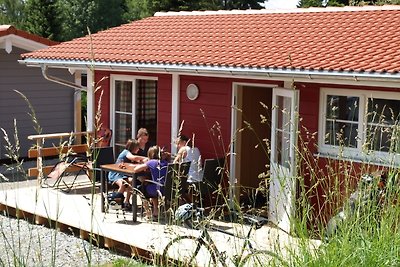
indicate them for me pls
(192, 91)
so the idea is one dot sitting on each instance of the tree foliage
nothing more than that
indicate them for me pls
(63, 20)
(12, 12)
(76, 17)
(42, 18)
(137, 9)
(322, 3)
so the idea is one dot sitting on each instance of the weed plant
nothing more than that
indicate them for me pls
(368, 236)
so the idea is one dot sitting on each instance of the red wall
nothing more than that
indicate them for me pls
(323, 175)
(102, 80)
(208, 117)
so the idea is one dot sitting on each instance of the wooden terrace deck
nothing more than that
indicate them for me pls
(80, 212)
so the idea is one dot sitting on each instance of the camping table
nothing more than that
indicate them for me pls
(129, 171)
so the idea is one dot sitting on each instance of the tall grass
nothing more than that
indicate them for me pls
(369, 236)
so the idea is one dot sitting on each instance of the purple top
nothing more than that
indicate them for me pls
(158, 170)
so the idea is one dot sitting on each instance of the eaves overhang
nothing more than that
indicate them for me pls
(237, 71)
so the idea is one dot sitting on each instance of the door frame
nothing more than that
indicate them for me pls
(234, 159)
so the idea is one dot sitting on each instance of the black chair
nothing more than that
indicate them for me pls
(101, 156)
(212, 176)
(176, 181)
(171, 190)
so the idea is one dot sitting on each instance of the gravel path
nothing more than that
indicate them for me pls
(26, 244)
(35, 245)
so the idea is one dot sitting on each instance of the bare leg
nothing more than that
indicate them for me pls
(128, 190)
(121, 188)
(155, 206)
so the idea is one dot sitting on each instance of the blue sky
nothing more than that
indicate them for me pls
(281, 3)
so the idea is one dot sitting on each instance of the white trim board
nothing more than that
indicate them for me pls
(8, 41)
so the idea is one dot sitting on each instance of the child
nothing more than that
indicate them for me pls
(158, 169)
(123, 182)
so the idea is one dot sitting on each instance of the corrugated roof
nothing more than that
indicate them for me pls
(355, 39)
(8, 30)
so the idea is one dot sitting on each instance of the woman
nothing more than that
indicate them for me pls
(123, 182)
(158, 169)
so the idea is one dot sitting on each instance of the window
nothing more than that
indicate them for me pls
(359, 124)
(134, 103)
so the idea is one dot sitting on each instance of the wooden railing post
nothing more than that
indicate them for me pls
(39, 161)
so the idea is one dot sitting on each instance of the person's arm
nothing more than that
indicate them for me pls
(140, 167)
(136, 158)
(180, 155)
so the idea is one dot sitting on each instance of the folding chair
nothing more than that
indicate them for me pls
(73, 165)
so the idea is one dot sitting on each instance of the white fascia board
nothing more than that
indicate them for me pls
(21, 42)
(335, 77)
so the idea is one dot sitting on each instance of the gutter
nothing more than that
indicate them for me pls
(220, 70)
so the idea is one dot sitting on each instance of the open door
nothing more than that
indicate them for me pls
(283, 159)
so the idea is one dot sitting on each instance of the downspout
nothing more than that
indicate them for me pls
(61, 81)
(78, 88)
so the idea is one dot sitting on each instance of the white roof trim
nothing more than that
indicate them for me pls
(273, 11)
(10, 40)
(270, 72)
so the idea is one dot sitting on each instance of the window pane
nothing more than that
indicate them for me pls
(123, 96)
(146, 106)
(382, 124)
(283, 148)
(341, 127)
(342, 108)
(123, 130)
(341, 134)
(383, 111)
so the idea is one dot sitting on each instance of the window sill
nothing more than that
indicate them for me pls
(389, 161)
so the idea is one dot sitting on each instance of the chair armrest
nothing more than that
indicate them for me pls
(153, 182)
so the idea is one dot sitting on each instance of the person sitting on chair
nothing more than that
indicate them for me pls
(158, 169)
(143, 139)
(123, 182)
(187, 152)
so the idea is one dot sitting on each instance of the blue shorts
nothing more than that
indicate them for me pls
(115, 176)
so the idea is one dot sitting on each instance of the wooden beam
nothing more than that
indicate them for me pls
(54, 151)
(57, 135)
(48, 169)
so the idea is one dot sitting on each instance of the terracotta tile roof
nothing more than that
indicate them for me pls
(358, 39)
(8, 30)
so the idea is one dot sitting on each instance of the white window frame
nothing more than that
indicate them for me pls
(127, 78)
(356, 154)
